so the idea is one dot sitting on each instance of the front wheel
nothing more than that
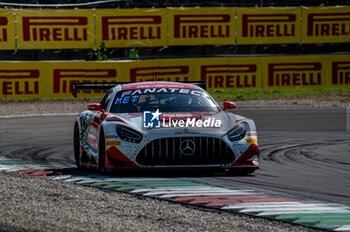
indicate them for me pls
(102, 153)
(240, 171)
(76, 145)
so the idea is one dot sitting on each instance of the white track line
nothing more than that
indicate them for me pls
(168, 189)
(343, 228)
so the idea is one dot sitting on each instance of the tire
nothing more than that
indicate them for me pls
(76, 145)
(102, 153)
(240, 171)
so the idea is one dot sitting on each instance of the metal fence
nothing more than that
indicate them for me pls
(237, 3)
(166, 3)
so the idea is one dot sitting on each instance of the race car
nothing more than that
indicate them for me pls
(163, 126)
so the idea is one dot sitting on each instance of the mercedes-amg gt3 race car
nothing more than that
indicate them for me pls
(163, 125)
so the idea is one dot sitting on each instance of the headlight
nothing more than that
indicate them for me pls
(238, 132)
(128, 134)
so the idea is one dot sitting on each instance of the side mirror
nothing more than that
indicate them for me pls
(229, 105)
(94, 107)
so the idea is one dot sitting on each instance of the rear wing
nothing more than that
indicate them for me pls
(108, 85)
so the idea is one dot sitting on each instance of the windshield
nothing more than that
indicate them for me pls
(164, 99)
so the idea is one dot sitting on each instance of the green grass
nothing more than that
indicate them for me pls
(341, 94)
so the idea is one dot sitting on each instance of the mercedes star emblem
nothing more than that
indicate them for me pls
(187, 147)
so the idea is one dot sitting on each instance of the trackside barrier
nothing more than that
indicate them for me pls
(86, 28)
(269, 25)
(53, 80)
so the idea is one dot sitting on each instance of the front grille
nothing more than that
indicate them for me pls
(167, 151)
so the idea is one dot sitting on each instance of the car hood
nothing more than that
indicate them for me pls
(135, 121)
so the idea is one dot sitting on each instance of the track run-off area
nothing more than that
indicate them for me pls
(303, 178)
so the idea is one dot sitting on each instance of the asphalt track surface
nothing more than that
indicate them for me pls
(304, 151)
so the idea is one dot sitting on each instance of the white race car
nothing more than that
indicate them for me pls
(163, 125)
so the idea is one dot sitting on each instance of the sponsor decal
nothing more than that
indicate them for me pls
(152, 119)
(294, 74)
(251, 133)
(64, 78)
(160, 73)
(239, 119)
(19, 82)
(251, 140)
(187, 133)
(229, 75)
(131, 93)
(110, 118)
(127, 99)
(113, 143)
(55, 28)
(111, 137)
(341, 73)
